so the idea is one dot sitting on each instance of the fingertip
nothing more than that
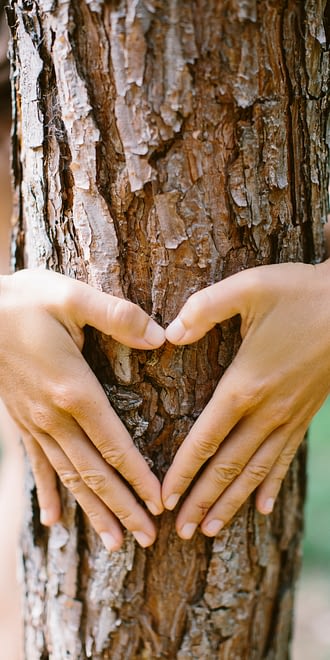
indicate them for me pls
(187, 531)
(212, 527)
(111, 542)
(171, 501)
(143, 539)
(154, 334)
(155, 508)
(266, 506)
(50, 516)
(176, 331)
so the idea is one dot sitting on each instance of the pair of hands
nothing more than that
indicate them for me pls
(247, 434)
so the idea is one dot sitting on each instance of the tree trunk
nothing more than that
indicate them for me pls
(159, 147)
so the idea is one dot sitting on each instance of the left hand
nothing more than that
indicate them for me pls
(249, 432)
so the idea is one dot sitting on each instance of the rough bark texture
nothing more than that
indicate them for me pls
(159, 147)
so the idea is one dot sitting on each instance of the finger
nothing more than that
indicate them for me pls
(117, 317)
(270, 487)
(101, 519)
(229, 404)
(235, 457)
(90, 408)
(238, 492)
(87, 469)
(209, 306)
(46, 482)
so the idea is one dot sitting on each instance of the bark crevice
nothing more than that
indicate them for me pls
(161, 147)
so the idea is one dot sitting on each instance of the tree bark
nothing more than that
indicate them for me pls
(160, 147)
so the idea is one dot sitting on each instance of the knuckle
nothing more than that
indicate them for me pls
(94, 516)
(44, 419)
(277, 479)
(225, 474)
(285, 459)
(230, 508)
(66, 397)
(182, 479)
(250, 396)
(289, 455)
(122, 314)
(71, 480)
(192, 307)
(203, 507)
(256, 472)
(196, 306)
(205, 447)
(185, 478)
(126, 517)
(282, 410)
(243, 397)
(138, 484)
(116, 456)
(94, 479)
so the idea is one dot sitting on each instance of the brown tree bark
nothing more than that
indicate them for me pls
(159, 147)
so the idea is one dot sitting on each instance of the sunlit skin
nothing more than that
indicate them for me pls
(63, 415)
(248, 433)
(257, 417)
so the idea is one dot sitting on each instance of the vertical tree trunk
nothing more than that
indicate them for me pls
(159, 147)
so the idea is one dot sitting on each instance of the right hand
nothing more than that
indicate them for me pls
(66, 422)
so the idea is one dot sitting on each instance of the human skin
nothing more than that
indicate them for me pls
(64, 417)
(248, 434)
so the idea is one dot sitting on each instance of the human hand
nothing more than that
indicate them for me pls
(66, 422)
(249, 432)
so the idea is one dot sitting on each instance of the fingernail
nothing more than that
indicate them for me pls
(175, 331)
(188, 530)
(269, 505)
(154, 334)
(109, 541)
(172, 501)
(154, 508)
(213, 527)
(143, 539)
(46, 517)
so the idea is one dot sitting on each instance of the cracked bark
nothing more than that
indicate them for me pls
(159, 147)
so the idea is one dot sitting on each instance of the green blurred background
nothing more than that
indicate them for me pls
(317, 511)
(312, 607)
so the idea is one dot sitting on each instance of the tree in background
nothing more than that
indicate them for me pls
(160, 147)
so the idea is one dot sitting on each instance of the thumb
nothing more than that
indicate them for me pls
(122, 319)
(212, 305)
